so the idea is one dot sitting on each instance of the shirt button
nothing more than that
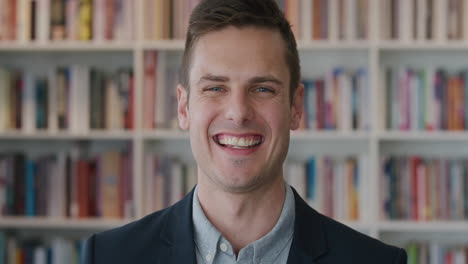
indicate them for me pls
(223, 247)
(208, 257)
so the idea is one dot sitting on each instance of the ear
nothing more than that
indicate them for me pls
(182, 107)
(297, 107)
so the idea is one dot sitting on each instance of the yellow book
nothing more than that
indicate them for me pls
(85, 20)
(158, 20)
(110, 181)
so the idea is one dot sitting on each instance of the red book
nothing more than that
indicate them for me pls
(109, 19)
(316, 20)
(83, 188)
(320, 104)
(149, 89)
(449, 258)
(12, 22)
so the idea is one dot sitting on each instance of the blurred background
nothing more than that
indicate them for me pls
(89, 138)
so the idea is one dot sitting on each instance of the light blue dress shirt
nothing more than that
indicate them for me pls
(273, 248)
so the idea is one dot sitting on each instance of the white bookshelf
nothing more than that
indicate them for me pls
(58, 223)
(316, 57)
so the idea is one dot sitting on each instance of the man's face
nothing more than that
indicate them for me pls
(239, 113)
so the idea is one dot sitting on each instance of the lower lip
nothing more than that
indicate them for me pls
(240, 152)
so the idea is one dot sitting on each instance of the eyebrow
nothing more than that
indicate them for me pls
(266, 78)
(253, 80)
(213, 78)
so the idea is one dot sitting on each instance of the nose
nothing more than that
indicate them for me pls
(239, 109)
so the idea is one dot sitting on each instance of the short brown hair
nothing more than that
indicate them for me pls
(213, 15)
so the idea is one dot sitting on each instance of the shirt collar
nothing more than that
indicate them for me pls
(208, 238)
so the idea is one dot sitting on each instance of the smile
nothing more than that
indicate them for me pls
(238, 142)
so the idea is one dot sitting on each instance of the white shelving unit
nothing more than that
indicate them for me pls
(316, 56)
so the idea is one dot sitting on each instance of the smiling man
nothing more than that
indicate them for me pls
(239, 96)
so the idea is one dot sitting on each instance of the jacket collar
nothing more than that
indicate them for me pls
(178, 233)
(309, 241)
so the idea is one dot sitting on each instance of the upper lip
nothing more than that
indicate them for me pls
(238, 135)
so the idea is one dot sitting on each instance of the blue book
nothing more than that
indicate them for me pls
(311, 180)
(30, 190)
(356, 174)
(310, 103)
(354, 101)
(281, 4)
(41, 103)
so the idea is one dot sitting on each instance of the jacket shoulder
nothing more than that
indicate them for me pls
(128, 243)
(360, 248)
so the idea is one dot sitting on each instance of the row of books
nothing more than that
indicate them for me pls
(70, 98)
(426, 99)
(71, 20)
(310, 19)
(338, 101)
(334, 186)
(160, 86)
(421, 189)
(57, 250)
(167, 180)
(67, 185)
(327, 19)
(436, 253)
(419, 20)
(167, 19)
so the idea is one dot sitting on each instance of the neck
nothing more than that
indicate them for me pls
(243, 218)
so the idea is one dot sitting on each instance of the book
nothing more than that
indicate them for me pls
(331, 185)
(423, 188)
(337, 101)
(426, 99)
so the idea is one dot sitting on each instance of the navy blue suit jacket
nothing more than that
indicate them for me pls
(166, 237)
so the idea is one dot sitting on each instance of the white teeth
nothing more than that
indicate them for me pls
(234, 141)
(237, 142)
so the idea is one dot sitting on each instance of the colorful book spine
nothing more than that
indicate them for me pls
(337, 101)
(66, 185)
(423, 189)
(331, 185)
(426, 99)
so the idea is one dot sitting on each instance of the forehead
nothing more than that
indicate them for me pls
(240, 52)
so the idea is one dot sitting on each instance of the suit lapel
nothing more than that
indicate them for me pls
(309, 241)
(178, 234)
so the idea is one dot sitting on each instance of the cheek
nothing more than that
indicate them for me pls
(278, 117)
(201, 117)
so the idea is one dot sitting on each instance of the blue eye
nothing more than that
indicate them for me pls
(215, 89)
(264, 90)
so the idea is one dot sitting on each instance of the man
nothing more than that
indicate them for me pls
(239, 96)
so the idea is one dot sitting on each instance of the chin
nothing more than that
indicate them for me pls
(244, 184)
